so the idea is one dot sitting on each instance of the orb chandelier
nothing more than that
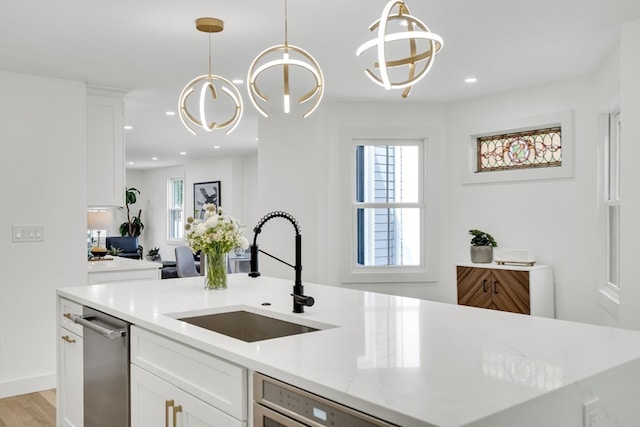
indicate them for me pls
(291, 56)
(415, 30)
(208, 91)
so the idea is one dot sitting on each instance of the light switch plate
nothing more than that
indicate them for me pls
(591, 413)
(27, 233)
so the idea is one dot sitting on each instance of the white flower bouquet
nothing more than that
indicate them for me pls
(216, 232)
(215, 235)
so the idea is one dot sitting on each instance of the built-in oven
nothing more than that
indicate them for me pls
(277, 404)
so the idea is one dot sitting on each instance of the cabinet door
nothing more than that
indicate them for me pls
(70, 400)
(105, 148)
(510, 291)
(474, 287)
(155, 402)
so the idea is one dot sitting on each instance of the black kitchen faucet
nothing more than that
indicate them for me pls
(299, 299)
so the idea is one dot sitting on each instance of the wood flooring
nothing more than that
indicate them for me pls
(29, 410)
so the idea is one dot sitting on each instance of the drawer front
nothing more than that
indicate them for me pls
(67, 308)
(216, 381)
(155, 402)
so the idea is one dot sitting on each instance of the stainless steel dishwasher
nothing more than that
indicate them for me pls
(106, 369)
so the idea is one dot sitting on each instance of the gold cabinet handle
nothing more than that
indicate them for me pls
(68, 316)
(167, 404)
(176, 409)
(68, 339)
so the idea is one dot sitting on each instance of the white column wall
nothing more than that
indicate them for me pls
(629, 316)
(43, 170)
(291, 172)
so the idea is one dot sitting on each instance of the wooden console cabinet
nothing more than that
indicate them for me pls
(526, 290)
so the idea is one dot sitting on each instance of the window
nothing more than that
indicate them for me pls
(175, 209)
(388, 209)
(520, 150)
(612, 202)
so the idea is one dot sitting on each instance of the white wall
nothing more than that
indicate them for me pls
(549, 217)
(346, 121)
(43, 170)
(291, 172)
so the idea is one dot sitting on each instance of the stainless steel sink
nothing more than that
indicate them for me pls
(247, 326)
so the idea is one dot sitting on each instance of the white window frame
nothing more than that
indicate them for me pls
(170, 209)
(427, 270)
(418, 204)
(609, 293)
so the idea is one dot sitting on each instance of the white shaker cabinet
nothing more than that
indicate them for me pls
(155, 402)
(178, 385)
(69, 393)
(105, 147)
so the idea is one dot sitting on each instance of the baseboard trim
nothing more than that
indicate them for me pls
(27, 385)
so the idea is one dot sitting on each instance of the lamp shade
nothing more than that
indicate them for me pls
(99, 220)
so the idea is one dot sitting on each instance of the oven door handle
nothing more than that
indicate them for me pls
(262, 414)
(86, 321)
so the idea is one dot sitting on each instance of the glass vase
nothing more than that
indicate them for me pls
(215, 265)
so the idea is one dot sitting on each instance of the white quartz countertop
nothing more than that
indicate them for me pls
(115, 263)
(408, 361)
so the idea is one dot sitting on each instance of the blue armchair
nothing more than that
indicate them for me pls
(129, 246)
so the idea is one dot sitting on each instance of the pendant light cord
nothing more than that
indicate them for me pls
(286, 38)
(209, 55)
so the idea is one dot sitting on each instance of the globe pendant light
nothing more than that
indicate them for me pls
(208, 87)
(416, 30)
(292, 56)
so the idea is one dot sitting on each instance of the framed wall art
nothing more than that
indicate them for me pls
(205, 192)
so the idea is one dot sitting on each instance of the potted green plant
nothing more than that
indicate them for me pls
(133, 226)
(482, 245)
(154, 254)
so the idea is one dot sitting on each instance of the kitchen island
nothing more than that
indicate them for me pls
(406, 361)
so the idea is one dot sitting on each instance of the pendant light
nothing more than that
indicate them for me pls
(291, 56)
(208, 90)
(415, 30)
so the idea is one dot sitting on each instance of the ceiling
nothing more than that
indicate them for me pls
(152, 49)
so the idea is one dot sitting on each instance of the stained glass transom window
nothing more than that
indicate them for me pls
(520, 150)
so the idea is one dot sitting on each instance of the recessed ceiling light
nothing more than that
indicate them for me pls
(132, 163)
(183, 153)
(154, 158)
(170, 113)
(128, 127)
(216, 147)
(470, 80)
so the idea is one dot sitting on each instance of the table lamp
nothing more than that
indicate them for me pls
(99, 220)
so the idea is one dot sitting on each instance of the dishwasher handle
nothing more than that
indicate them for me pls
(86, 321)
